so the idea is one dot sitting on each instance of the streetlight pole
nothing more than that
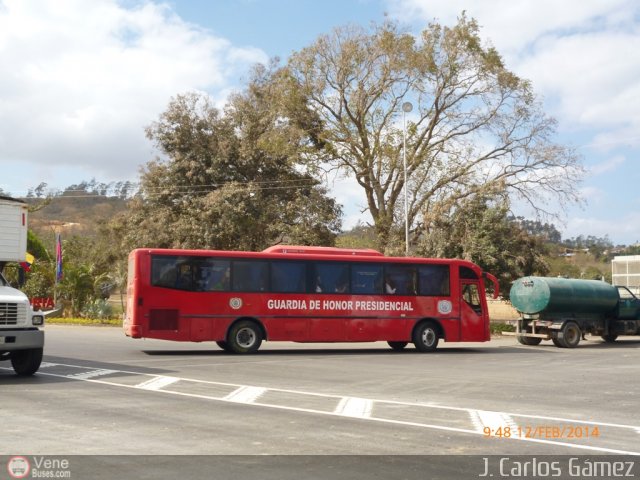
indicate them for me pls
(406, 108)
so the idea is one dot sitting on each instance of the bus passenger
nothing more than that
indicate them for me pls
(222, 282)
(389, 286)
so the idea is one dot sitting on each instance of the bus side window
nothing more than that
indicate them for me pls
(434, 280)
(164, 271)
(215, 276)
(366, 279)
(400, 279)
(250, 276)
(185, 277)
(331, 278)
(288, 277)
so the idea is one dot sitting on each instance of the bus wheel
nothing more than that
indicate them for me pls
(398, 346)
(530, 341)
(610, 338)
(425, 337)
(570, 334)
(245, 336)
(223, 345)
(26, 362)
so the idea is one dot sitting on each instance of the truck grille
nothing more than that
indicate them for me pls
(10, 313)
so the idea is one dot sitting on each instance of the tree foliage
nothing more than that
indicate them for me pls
(231, 179)
(482, 231)
(475, 125)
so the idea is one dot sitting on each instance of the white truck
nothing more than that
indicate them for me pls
(21, 336)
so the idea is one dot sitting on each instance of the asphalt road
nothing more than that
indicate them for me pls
(100, 393)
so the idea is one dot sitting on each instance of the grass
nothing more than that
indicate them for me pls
(497, 328)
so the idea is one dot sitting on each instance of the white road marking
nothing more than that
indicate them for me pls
(157, 383)
(354, 407)
(245, 394)
(251, 391)
(493, 420)
(92, 374)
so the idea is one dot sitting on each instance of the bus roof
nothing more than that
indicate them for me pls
(304, 253)
(288, 249)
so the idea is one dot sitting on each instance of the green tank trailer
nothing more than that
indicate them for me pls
(565, 310)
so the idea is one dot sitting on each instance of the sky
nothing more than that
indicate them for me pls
(80, 80)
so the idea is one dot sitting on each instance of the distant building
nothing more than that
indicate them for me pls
(625, 271)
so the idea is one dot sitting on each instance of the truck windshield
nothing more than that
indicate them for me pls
(3, 282)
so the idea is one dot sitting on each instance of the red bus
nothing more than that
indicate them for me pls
(304, 294)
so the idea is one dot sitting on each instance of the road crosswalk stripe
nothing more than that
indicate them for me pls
(157, 383)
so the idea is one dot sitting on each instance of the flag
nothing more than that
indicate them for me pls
(29, 259)
(58, 258)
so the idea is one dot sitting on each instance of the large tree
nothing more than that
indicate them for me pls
(230, 179)
(475, 126)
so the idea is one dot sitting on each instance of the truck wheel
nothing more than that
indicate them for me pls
(425, 337)
(556, 342)
(610, 338)
(245, 336)
(570, 334)
(398, 346)
(26, 362)
(531, 341)
(223, 345)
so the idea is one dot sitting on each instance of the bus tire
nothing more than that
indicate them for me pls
(610, 337)
(26, 362)
(425, 336)
(529, 341)
(398, 346)
(244, 336)
(569, 335)
(223, 345)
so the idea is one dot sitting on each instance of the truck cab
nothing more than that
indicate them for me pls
(629, 304)
(21, 338)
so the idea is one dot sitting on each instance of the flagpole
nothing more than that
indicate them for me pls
(58, 272)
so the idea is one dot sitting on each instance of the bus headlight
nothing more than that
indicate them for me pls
(37, 319)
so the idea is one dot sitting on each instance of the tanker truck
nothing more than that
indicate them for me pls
(565, 310)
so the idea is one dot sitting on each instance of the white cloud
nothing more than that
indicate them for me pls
(79, 80)
(626, 230)
(608, 165)
(512, 26)
(581, 55)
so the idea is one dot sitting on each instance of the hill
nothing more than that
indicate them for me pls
(72, 214)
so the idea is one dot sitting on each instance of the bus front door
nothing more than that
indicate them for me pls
(472, 327)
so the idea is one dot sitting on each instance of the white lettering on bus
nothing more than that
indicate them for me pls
(286, 304)
(361, 305)
(388, 306)
(337, 305)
